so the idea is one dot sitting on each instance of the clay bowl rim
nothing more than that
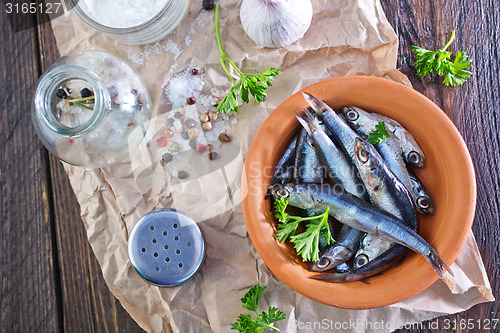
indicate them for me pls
(414, 272)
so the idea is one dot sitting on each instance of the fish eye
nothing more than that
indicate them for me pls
(414, 157)
(363, 156)
(423, 202)
(323, 262)
(283, 192)
(361, 260)
(352, 115)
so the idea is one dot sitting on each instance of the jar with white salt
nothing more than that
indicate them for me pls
(133, 21)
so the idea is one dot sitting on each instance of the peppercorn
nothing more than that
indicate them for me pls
(182, 175)
(61, 93)
(204, 117)
(85, 93)
(167, 157)
(193, 133)
(212, 115)
(173, 146)
(206, 126)
(190, 123)
(209, 147)
(201, 148)
(212, 155)
(194, 71)
(208, 4)
(191, 100)
(223, 137)
(192, 144)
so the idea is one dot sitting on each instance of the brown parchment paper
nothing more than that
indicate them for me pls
(346, 37)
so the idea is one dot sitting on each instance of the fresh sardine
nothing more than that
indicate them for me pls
(364, 122)
(360, 215)
(308, 168)
(338, 127)
(341, 171)
(387, 193)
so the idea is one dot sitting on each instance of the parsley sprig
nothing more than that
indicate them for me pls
(307, 243)
(455, 72)
(379, 134)
(248, 84)
(263, 321)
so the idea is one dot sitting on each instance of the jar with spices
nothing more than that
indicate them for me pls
(132, 21)
(91, 109)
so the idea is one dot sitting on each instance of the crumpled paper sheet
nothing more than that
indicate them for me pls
(347, 37)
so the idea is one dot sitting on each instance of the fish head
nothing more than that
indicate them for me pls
(371, 248)
(359, 119)
(425, 205)
(369, 163)
(332, 257)
(415, 159)
(296, 195)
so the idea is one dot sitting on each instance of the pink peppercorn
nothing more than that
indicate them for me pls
(201, 148)
(162, 141)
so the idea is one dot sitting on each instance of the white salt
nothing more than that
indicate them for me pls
(123, 13)
(173, 48)
(182, 86)
(139, 54)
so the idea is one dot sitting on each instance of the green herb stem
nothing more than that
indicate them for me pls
(83, 106)
(83, 99)
(223, 56)
(452, 37)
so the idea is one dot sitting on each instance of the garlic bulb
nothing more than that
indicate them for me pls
(275, 23)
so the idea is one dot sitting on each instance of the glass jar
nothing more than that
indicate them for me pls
(91, 109)
(132, 21)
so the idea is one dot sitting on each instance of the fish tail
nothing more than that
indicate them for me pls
(316, 104)
(438, 264)
(304, 123)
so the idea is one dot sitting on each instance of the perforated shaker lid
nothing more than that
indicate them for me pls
(166, 248)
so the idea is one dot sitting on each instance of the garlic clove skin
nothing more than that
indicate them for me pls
(275, 23)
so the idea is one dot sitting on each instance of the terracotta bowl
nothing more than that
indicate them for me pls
(448, 176)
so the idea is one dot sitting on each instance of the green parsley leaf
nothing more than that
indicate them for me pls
(273, 315)
(454, 73)
(263, 321)
(379, 134)
(252, 298)
(247, 84)
(306, 243)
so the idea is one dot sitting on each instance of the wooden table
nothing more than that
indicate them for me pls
(50, 280)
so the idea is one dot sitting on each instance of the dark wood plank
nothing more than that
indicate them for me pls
(88, 305)
(28, 273)
(474, 108)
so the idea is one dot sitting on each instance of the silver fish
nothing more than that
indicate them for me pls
(364, 122)
(342, 172)
(338, 127)
(308, 167)
(344, 273)
(360, 215)
(346, 244)
(387, 193)
(390, 149)
(413, 154)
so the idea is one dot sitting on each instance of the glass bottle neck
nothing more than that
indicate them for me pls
(45, 97)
